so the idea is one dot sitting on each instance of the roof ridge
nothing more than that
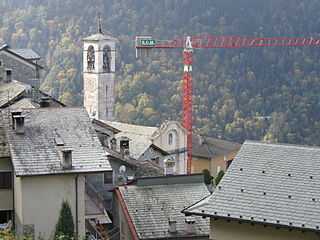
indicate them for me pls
(287, 145)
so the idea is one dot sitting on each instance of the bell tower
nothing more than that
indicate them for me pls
(98, 75)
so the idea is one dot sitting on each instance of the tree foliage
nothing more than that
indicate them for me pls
(219, 177)
(65, 224)
(207, 176)
(269, 93)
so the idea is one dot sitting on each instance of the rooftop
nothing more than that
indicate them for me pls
(26, 53)
(16, 94)
(47, 131)
(98, 37)
(268, 183)
(139, 136)
(153, 201)
(10, 91)
(204, 146)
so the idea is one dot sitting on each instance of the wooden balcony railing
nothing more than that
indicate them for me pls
(94, 203)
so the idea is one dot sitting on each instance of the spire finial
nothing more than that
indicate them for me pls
(99, 23)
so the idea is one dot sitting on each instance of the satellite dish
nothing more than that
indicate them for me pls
(122, 169)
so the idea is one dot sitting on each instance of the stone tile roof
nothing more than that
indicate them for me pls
(142, 168)
(10, 91)
(153, 201)
(16, 94)
(267, 183)
(98, 37)
(147, 169)
(25, 103)
(139, 136)
(36, 152)
(204, 146)
(26, 53)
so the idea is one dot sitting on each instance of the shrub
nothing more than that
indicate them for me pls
(219, 177)
(65, 225)
(207, 176)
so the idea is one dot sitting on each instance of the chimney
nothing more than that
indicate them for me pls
(7, 75)
(18, 123)
(113, 144)
(124, 146)
(190, 225)
(66, 161)
(169, 166)
(201, 139)
(45, 102)
(172, 226)
(126, 154)
(15, 113)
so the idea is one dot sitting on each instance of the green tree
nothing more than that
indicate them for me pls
(65, 224)
(219, 177)
(207, 176)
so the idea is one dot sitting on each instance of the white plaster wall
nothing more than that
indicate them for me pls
(99, 87)
(179, 142)
(38, 201)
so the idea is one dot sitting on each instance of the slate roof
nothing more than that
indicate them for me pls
(25, 103)
(10, 91)
(212, 147)
(153, 201)
(16, 94)
(142, 168)
(36, 152)
(98, 37)
(26, 53)
(147, 169)
(268, 183)
(139, 137)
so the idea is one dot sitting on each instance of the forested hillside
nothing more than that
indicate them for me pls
(254, 93)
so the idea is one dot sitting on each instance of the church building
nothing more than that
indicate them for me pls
(98, 76)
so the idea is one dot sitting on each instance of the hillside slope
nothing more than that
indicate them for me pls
(263, 93)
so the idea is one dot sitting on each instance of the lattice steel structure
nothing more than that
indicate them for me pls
(190, 43)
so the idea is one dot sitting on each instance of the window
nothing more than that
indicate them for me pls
(107, 59)
(108, 177)
(0, 63)
(90, 58)
(170, 137)
(5, 180)
(156, 159)
(5, 216)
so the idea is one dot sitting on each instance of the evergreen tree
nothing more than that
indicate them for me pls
(65, 224)
(207, 176)
(219, 177)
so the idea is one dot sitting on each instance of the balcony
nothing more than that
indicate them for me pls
(94, 203)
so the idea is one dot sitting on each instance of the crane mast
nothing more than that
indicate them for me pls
(145, 44)
(187, 98)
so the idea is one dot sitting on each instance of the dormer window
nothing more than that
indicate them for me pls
(90, 58)
(170, 138)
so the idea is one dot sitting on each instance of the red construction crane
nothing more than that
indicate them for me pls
(144, 44)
